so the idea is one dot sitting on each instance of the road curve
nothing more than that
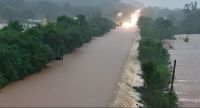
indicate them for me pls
(85, 78)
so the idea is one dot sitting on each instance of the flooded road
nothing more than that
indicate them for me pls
(85, 78)
(187, 82)
(126, 96)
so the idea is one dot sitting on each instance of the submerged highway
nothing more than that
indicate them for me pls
(86, 77)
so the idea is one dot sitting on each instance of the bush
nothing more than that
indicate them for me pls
(186, 39)
(155, 63)
(25, 53)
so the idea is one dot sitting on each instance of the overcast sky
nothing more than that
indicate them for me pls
(164, 3)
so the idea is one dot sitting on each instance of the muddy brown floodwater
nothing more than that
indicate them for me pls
(187, 82)
(85, 78)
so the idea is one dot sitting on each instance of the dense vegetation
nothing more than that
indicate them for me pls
(154, 58)
(190, 24)
(186, 20)
(36, 9)
(155, 63)
(24, 53)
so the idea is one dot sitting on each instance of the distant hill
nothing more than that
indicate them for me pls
(51, 9)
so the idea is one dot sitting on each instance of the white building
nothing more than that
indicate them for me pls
(30, 23)
(2, 25)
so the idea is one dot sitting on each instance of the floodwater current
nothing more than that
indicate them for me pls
(87, 77)
(187, 82)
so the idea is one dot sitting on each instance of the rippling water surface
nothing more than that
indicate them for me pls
(126, 96)
(87, 77)
(187, 82)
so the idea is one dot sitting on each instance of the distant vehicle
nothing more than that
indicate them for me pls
(59, 57)
(120, 24)
(114, 28)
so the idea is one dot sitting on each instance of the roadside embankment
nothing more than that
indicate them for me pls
(126, 96)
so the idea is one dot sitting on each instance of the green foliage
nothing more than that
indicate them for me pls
(155, 63)
(26, 52)
(15, 26)
(30, 9)
(100, 25)
(81, 19)
(190, 7)
(190, 23)
(158, 29)
(186, 20)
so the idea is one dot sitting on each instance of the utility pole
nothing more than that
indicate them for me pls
(173, 75)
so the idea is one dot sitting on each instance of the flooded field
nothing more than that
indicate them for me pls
(187, 82)
(87, 77)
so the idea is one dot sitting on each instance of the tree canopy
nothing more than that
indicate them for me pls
(26, 52)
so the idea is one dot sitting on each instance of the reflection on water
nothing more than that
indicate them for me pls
(187, 83)
(126, 96)
(133, 20)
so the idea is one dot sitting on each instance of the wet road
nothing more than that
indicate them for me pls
(86, 78)
(187, 83)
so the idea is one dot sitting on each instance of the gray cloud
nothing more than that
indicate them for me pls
(163, 3)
